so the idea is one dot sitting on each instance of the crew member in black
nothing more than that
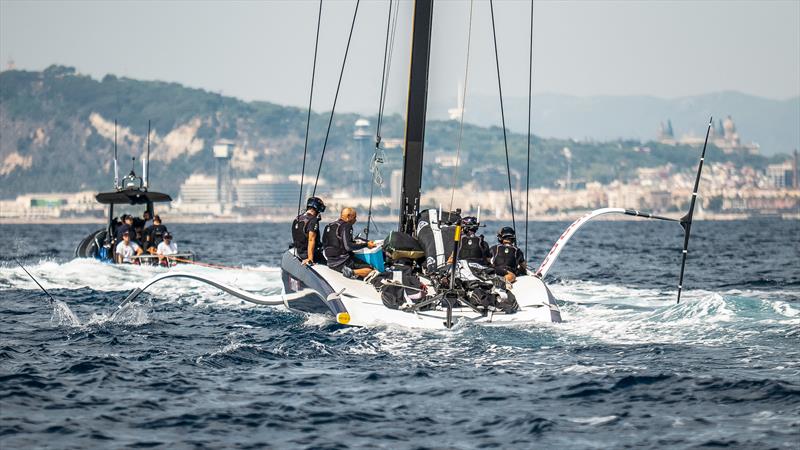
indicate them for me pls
(339, 246)
(506, 258)
(153, 235)
(305, 232)
(472, 248)
(127, 225)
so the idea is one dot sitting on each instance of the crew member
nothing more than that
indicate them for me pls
(166, 248)
(339, 246)
(127, 249)
(305, 232)
(148, 220)
(127, 226)
(506, 258)
(154, 234)
(472, 247)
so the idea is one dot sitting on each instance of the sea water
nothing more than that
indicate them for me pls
(191, 366)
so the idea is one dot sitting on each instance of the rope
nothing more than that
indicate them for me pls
(382, 99)
(335, 98)
(528, 163)
(381, 104)
(212, 266)
(503, 116)
(308, 118)
(463, 107)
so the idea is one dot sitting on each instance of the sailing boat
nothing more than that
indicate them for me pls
(320, 289)
(442, 301)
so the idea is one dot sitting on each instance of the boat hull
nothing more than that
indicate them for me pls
(354, 302)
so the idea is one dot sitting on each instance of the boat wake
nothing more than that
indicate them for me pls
(593, 312)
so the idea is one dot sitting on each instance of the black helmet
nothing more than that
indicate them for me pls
(316, 203)
(507, 234)
(470, 224)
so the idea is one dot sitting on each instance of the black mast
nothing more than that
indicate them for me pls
(415, 114)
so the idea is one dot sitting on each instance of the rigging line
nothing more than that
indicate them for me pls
(391, 52)
(502, 116)
(52, 300)
(389, 61)
(377, 177)
(528, 162)
(308, 117)
(380, 117)
(335, 98)
(383, 77)
(463, 107)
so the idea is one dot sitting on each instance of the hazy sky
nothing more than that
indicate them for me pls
(263, 50)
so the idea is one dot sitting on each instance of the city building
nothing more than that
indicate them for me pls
(723, 135)
(781, 175)
(52, 205)
(266, 193)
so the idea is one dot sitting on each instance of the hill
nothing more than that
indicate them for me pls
(57, 134)
(774, 124)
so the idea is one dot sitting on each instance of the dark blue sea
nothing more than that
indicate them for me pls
(192, 367)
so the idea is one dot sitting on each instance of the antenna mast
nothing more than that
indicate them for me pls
(146, 161)
(116, 166)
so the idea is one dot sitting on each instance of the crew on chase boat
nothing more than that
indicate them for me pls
(506, 258)
(126, 226)
(127, 249)
(153, 235)
(339, 245)
(305, 232)
(166, 248)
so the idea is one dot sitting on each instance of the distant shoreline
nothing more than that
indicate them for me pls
(379, 219)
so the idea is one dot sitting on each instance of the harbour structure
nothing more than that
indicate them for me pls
(223, 152)
(359, 170)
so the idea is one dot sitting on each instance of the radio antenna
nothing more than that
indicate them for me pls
(146, 162)
(116, 166)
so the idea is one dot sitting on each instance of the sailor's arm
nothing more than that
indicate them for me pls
(522, 265)
(349, 242)
(312, 242)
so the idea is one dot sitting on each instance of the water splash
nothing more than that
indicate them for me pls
(63, 315)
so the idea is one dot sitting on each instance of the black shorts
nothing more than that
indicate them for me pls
(353, 263)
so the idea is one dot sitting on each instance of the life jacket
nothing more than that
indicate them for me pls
(157, 233)
(436, 237)
(332, 240)
(505, 255)
(299, 234)
(471, 248)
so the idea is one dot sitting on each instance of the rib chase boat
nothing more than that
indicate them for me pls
(130, 191)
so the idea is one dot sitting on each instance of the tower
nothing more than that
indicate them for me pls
(223, 151)
(568, 156)
(363, 177)
(455, 113)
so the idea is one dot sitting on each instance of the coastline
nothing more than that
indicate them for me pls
(569, 217)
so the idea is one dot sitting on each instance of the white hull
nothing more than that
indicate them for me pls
(356, 303)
